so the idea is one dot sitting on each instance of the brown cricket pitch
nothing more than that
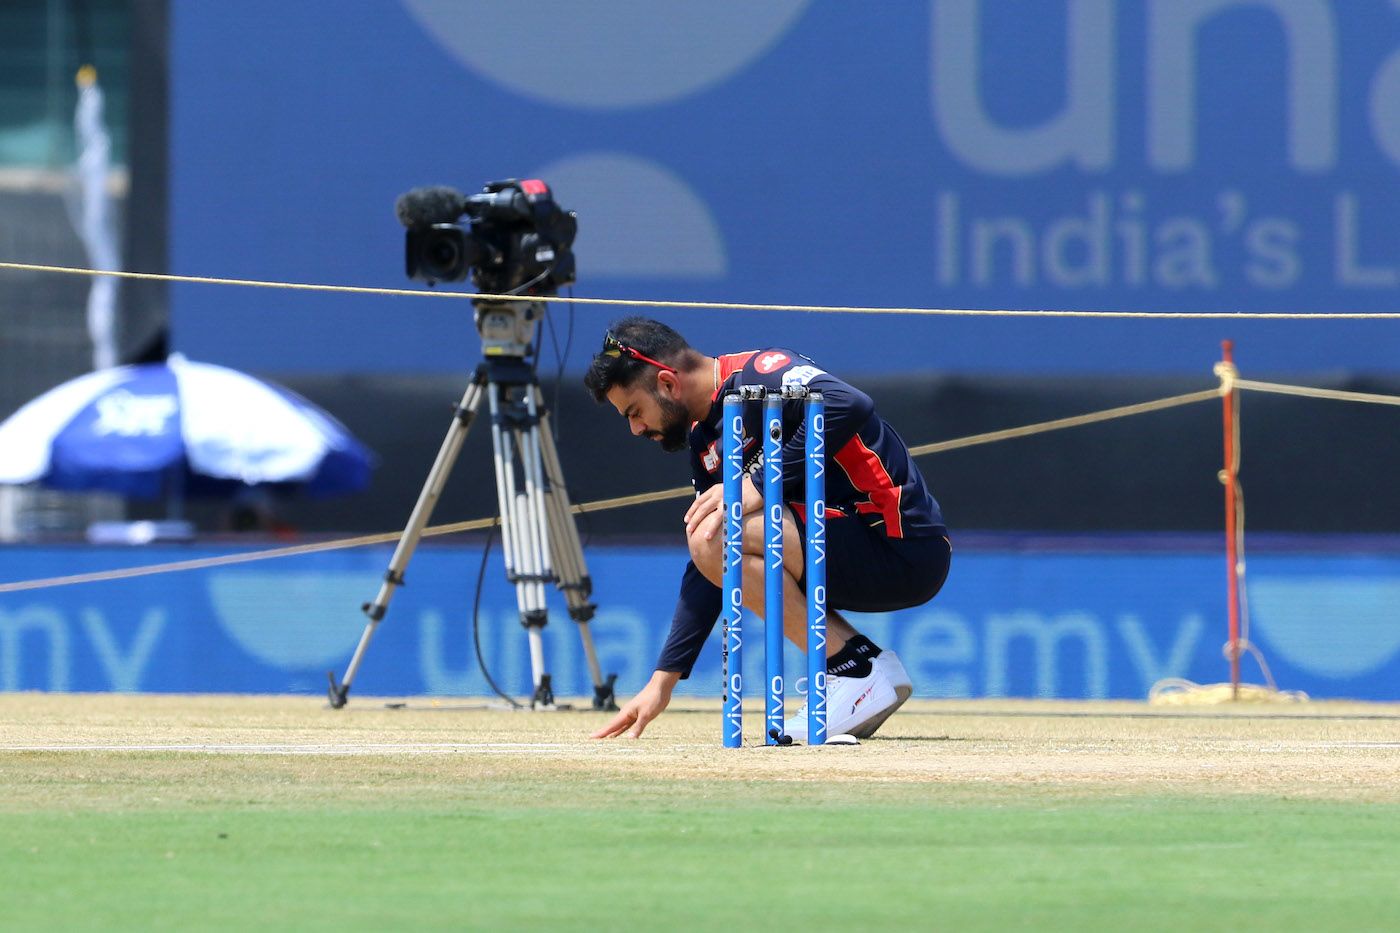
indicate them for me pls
(100, 751)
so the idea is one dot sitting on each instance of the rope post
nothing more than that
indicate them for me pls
(1228, 476)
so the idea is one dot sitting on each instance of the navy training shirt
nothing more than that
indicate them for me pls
(876, 481)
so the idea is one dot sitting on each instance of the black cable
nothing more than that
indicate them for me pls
(586, 534)
(533, 282)
(520, 289)
(562, 358)
(586, 518)
(476, 621)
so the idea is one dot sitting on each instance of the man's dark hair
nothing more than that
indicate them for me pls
(613, 366)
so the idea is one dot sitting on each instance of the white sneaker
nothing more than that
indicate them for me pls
(895, 672)
(888, 662)
(857, 705)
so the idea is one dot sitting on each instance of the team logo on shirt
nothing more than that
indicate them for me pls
(801, 375)
(712, 457)
(770, 361)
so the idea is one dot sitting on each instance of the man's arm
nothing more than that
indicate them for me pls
(697, 609)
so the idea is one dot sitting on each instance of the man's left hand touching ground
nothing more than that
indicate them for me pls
(637, 712)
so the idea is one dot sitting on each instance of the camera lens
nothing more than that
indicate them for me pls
(440, 253)
(443, 256)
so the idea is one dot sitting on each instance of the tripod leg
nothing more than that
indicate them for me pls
(408, 541)
(533, 505)
(573, 576)
(532, 499)
(505, 493)
(522, 532)
(565, 544)
(534, 572)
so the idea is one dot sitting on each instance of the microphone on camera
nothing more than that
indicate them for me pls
(423, 207)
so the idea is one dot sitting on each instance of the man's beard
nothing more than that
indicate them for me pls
(675, 425)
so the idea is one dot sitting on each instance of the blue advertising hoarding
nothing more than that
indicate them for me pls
(1099, 619)
(1167, 155)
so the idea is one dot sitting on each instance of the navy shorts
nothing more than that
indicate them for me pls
(868, 571)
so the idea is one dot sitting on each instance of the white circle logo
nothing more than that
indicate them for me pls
(289, 620)
(606, 56)
(1333, 626)
(640, 220)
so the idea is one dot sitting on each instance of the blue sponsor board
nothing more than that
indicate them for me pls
(1168, 155)
(1104, 619)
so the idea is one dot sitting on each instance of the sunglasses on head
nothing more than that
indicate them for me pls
(614, 347)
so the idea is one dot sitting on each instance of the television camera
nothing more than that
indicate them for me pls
(516, 246)
(516, 241)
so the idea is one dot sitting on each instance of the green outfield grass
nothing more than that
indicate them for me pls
(275, 813)
(692, 855)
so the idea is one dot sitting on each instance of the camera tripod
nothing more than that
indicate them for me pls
(538, 535)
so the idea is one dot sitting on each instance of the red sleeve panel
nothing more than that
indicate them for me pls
(869, 477)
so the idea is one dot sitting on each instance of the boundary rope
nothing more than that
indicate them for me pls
(601, 505)
(1041, 427)
(1311, 392)
(719, 305)
(1178, 691)
(339, 544)
(1227, 377)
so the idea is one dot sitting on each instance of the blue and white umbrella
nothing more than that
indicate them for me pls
(178, 427)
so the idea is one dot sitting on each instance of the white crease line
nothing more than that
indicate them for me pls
(489, 748)
(1348, 745)
(426, 748)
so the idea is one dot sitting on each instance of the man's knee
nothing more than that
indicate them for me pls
(707, 557)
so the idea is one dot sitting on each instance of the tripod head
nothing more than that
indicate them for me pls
(507, 328)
